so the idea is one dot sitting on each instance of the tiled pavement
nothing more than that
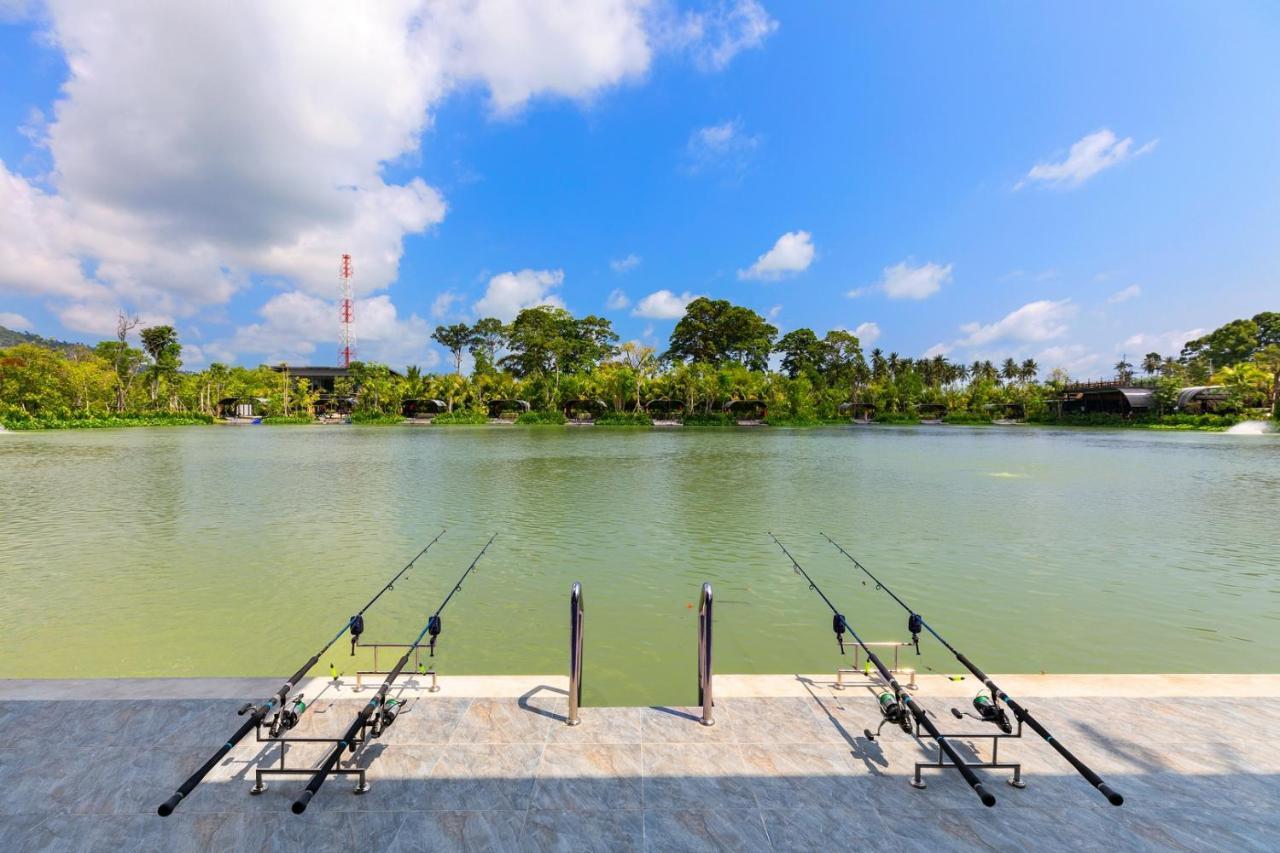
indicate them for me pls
(786, 772)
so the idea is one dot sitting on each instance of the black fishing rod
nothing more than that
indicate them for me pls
(387, 712)
(915, 622)
(285, 719)
(891, 706)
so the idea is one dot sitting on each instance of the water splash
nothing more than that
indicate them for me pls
(1250, 428)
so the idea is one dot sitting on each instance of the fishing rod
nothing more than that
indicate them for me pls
(892, 706)
(993, 713)
(285, 718)
(387, 711)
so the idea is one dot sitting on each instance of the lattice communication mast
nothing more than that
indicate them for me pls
(347, 315)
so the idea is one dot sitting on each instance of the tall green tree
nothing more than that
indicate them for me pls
(455, 339)
(488, 336)
(715, 331)
(801, 352)
(161, 343)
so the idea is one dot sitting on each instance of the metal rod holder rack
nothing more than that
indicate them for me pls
(704, 656)
(575, 653)
(417, 664)
(994, 764)
(856, 669)
(260, 785)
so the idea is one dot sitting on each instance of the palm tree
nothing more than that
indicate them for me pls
(1124, 370)
(1151, 363)
(1028, 370)
(1009, 370)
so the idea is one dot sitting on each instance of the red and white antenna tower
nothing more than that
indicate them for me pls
(347, 315)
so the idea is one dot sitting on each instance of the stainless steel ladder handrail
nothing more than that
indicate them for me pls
(575, 653)
(704, 655)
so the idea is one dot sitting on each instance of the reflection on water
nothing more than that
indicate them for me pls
(237, 551)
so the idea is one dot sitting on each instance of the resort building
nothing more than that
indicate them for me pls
(1106, 397)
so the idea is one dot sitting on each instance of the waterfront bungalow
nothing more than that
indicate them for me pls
(1007, 413)
(1105, 397)
(860, 413)
(241, 410)
(665, 411)
(506, 411)
(931, 413)
(583, 412)
(747, 412)
(1204, 399)
(423, 410)
(333, 408)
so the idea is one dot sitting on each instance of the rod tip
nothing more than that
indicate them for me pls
(167, 807)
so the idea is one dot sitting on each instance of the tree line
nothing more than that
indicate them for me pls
(717, 352)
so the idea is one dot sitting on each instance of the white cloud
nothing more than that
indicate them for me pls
(1076, 359)
(443, 304)
(663, 305)
(617, 300)
(936, 350)
(1095, 152)
(1166, 343)
(1133, 291)
(1036, 321)
(627, 264)
(509, 293)
(774, 312)
(905, 281)
(867, 333)
(295, 328)
(193, 147)
(792, 253)
(714, 37)
(14, 321)
(725, 146)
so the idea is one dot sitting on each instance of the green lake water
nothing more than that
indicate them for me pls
(239, 551)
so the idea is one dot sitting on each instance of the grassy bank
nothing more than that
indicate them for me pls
(20, 421)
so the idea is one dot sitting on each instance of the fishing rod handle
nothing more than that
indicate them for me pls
(966, 772)
(322, 773)
(166, 808)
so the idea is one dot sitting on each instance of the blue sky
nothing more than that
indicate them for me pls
(1061, 182)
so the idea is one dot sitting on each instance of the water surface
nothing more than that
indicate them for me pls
(238, 551)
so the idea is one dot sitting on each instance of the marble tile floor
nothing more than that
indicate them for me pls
(784, 772)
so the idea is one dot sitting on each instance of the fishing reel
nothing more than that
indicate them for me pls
(286, 718)
(357, 628)
(987, 710)
(894, 711)
(387, 713)
(838, 625)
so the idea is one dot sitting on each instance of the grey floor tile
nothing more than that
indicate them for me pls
(589, 776)
(703, 830)
(564, 831)
(703, 776)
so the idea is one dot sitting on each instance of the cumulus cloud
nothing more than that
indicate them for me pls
(791, 254)
(627, 264)
(713, 37)
(1165, 343)
(1075, 359)
(867, 333)
(1092, 154)
(726, 145)
(1036, 321)
(194, 147)
(443, 304)
(1133, 291)
(907, 281)
(295, 328)
(509, 293)
(663, 305)
(617, 300)
(15, 321)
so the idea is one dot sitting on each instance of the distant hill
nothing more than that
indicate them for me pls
(8, 338)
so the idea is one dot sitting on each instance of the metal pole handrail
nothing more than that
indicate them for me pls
(575, 653)
(704, 655)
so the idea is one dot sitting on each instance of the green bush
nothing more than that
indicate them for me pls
(15, 419)
(637, 419)
(793, 421)
(281, 420)
(715, 419)
(376, 419)
(1181, 421)
(463, 417)
(541, 419)
(969, 418)
(896, 418)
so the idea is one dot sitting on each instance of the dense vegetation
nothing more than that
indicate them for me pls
(718, 352)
